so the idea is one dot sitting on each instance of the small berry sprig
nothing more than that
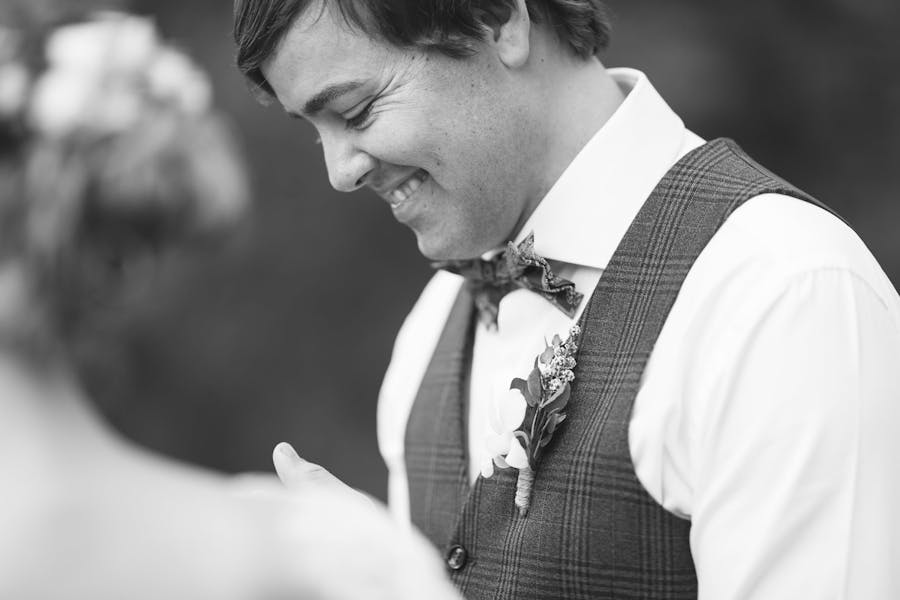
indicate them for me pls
(546, 391)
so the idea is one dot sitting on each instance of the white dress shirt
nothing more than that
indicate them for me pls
(769, 410)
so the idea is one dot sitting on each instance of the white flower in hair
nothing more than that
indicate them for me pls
(172, 76)
(14, 82)
(14, 78)
(109, 42)
(105, 74)
(66, 100)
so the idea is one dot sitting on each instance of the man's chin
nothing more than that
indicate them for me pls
(439, 250)
(433, 253)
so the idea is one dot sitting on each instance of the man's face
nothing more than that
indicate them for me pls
(444, 141)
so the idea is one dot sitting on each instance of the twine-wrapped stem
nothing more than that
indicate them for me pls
(523, 489)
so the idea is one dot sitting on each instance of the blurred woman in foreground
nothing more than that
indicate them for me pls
(110, 157)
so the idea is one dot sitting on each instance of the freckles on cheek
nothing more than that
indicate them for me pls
(431, 158)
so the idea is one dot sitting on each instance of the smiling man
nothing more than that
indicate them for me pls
(731, 392)
(435, 135)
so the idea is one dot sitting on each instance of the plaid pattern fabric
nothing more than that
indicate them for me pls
(436, 462)
(592, 530)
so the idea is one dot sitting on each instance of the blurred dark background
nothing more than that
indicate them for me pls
(284, 333)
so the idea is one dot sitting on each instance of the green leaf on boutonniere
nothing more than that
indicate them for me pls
(520, 384)
(534, 384)
(558, 401)
(525, 440)
(553, 421)
(546, 356)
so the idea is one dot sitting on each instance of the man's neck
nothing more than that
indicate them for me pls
(578, 97)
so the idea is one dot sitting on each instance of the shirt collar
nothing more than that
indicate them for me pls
(586, 213)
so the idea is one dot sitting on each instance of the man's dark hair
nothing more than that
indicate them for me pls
(448, 26)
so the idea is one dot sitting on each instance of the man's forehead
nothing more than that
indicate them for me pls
(319, 51)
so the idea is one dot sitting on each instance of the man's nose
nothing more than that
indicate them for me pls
(347, 164)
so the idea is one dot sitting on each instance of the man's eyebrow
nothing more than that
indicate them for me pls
(322, 98)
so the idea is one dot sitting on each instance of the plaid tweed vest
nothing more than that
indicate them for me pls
(592, 530)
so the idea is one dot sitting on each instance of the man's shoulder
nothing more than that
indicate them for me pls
(791, 237)
(770, 245)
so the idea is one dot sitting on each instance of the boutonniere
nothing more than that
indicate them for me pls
(523, 421)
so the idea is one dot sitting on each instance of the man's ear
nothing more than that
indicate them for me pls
(510, 28)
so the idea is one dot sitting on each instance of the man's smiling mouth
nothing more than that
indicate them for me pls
(406, 189)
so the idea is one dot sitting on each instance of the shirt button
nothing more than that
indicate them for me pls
(456, 557)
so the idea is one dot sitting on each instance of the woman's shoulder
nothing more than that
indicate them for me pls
(141, 527)
(124, 525)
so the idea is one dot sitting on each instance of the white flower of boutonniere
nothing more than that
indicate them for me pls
(523, 421)
(502, 447)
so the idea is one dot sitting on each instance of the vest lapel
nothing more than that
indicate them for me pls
(436, 455)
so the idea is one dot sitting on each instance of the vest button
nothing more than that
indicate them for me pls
(456, 557)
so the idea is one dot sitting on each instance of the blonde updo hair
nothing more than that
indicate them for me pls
(118, 158)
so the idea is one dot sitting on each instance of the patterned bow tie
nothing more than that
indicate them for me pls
(514, 268)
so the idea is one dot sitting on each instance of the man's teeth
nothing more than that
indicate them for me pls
(408, 187)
